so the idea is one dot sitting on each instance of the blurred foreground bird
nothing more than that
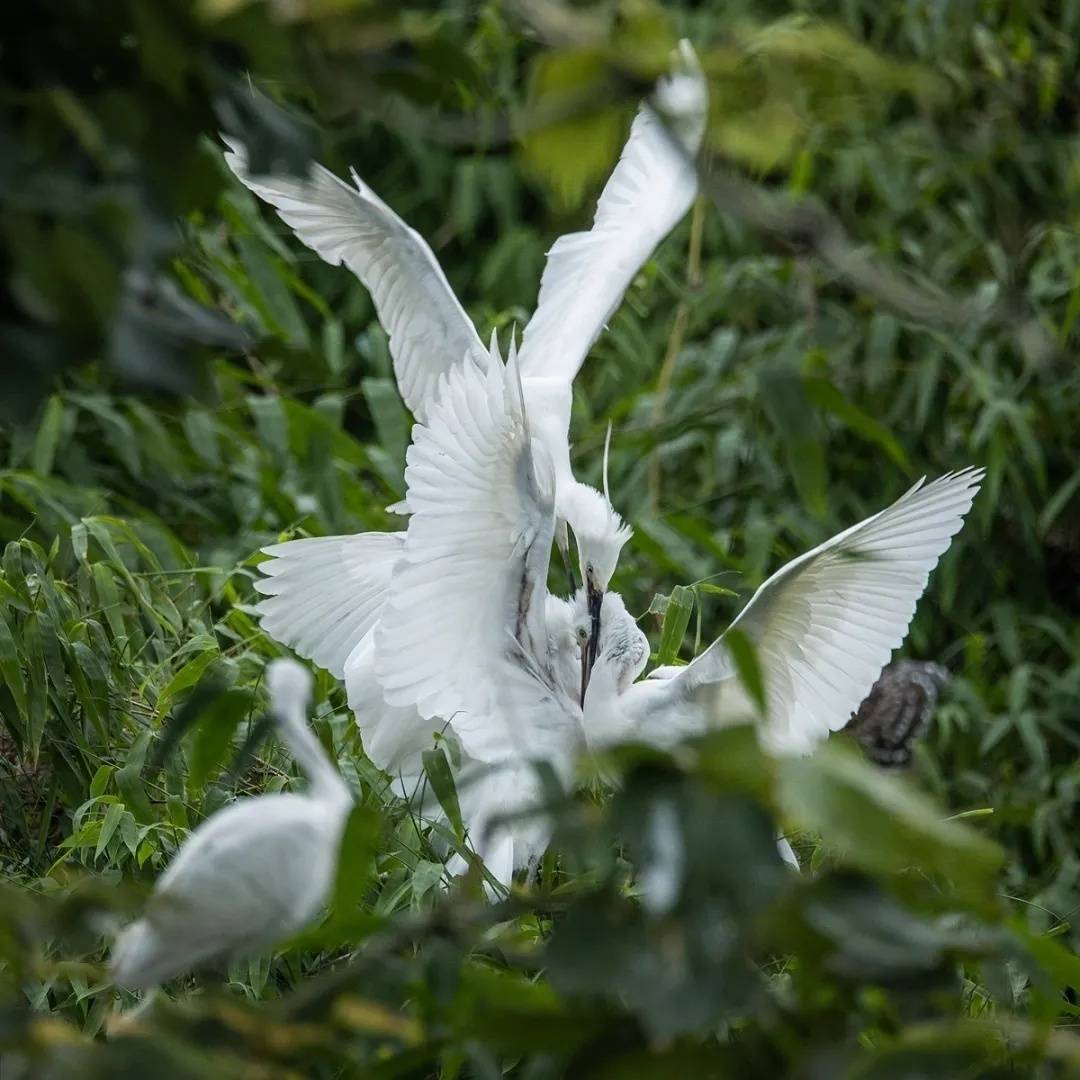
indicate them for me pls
(651, 188)
(897, 711)
(251, 874)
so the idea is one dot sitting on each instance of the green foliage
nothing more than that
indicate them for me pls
(663, 937)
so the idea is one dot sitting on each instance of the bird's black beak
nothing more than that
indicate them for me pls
(586, 668)
(591, 647)
(595, 599)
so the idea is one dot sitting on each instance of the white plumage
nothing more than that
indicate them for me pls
(324, 594)
(822, 628)
(447, 630)
(587, 273)
(428, 329)
(253, 873)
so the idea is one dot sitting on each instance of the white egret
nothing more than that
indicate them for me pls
(503, 787)
(325, 596)
(587, 273)
(464, 632)
(251, 874)
(822, 628)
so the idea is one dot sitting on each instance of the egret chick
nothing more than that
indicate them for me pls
(251, 874)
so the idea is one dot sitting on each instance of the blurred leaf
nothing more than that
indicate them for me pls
(743, 653)
(356, 862)
(214, 731)
(575, 125)
(878, 823)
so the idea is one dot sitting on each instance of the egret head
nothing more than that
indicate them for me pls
(289, 684)
(568, 626)
(599, 533)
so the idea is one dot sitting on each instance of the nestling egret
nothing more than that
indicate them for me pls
(822, 628)
(251, 874)
(649, 191)
(495, 795)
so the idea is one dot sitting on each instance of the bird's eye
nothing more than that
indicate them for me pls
(582, 633)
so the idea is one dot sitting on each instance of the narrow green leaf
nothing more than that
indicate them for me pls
(677, 612)
(214, 732)
(11, 669)
(439, 775)
(356, 861)
(826, 396)
(389, 415)
(79, 541)
(783, 396)
(186, 677)
(108, 827)
(101, 780)
(48, 436)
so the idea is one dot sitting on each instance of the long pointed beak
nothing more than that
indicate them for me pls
(595, 599)
(586, 669)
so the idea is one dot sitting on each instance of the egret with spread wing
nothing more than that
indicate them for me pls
(251, 874)
(464, 632)
(822, 628)
(587, 273)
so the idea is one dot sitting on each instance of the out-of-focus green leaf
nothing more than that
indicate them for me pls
(879, 823)
(214, 732)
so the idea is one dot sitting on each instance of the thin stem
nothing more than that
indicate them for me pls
(675, 343)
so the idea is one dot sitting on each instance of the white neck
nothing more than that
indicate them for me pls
(602, 717)
(307, 752)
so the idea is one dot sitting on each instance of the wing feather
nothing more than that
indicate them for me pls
(428, 329)
(651, 188)
(825, 625)
(463, 635)
(323, 594)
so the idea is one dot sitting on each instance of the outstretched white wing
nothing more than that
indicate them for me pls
(463, 635)
(323, 594)
(428, 329)
(652, 187)
(825, 625)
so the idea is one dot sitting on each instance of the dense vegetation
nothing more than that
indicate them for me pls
(882, 281)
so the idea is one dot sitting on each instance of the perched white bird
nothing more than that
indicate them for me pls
(822, 628)
(587, 273)
(253, 873)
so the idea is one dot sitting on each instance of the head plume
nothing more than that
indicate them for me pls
(599, 532)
